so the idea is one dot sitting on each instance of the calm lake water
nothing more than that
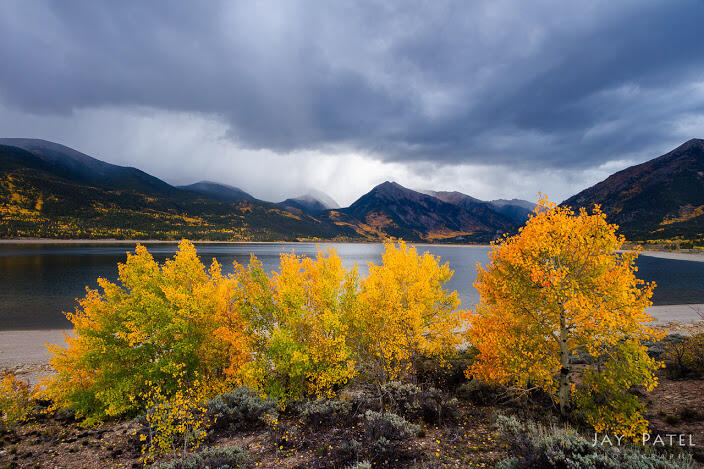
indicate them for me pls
(39, 281)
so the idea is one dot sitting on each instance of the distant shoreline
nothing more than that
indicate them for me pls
(680, 256)
(696, 256)
(163, 241)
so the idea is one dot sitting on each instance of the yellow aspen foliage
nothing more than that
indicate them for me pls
(561, 287)
(157, 320)
(300, 342)
(246, 315)
(174, 423)
(15, 401)
(405, 314)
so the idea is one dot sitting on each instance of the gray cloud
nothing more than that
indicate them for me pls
(526, 84)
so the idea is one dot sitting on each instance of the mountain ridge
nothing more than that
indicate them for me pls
(404, 213)
(46, 194)
(87, 169)
(218, 191)
(657, 199)
(50, 190)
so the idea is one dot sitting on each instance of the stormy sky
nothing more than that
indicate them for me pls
(492, 98)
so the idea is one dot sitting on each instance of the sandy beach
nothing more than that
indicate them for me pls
(24, 352)
(679, 256)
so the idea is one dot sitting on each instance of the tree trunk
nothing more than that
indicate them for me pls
(564, 390)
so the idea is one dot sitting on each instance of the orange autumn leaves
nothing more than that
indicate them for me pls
(561, 289)
(307, 329)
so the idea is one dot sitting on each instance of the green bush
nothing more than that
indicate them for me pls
(386, 438)
(478, 392)
(347, 451)
(322, 411)
(437, 406)
(227, 457)
(535, 447)
(401, 397)
(385, 435)
(413, 402)
(240, 409)
(389, 426)
(361, 465)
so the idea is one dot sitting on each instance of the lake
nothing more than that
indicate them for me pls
(39, 281)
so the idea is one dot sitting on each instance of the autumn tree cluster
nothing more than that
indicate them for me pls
(558, 292)
(307, 329)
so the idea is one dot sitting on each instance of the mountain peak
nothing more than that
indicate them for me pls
(218, 191)
(313, 202)
(390, 187)
(693, 141)
(689, 144)
(404, 213)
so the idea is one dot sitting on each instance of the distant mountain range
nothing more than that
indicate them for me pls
(660, 199)
(50, 190)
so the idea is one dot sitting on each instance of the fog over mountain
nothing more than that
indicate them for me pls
(495, 99)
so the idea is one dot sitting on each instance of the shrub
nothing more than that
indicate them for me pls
(175, 423)
(405, 314)
(413, 402)
(672, 354)
(228, 457)
(402, 397)
(346, 451)
(535, 447)
(360, 399)
(15, 401)
(361, 465)
(239, 409)
(606, 397)
(437, 406)
(389, 426)
(323, 411)
(684, 355)
(478, 392)
(448, 371)
(281, 433)
(385, 433)
(303, 347)
(156, 325)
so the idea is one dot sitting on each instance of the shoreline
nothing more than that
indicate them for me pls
(678, 256)
(24, 352)
(59, 241)
(697, 256)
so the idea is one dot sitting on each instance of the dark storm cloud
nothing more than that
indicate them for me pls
(548, 84)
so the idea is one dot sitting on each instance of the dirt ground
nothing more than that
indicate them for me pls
(59, 443)
(674, 407)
